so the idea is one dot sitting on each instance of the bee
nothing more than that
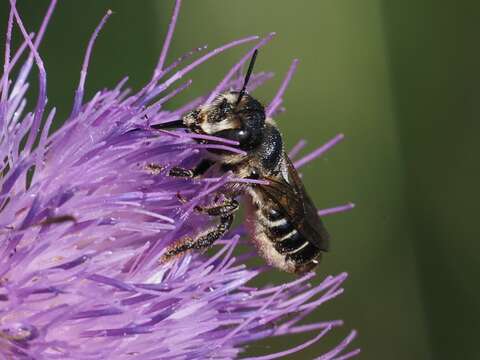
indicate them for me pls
(281, 218)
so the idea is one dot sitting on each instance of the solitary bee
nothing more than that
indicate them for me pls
(281, 217)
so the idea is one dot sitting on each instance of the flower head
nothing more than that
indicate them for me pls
(86, 212)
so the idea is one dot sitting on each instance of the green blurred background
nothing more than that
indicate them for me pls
(399, 79)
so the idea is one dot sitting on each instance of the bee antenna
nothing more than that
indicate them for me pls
(247, 76)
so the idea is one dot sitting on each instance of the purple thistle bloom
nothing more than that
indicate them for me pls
(87, 211)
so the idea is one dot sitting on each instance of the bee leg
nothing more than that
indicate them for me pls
(204, 241)
(200, 169)
(201, 242)
(229, 206)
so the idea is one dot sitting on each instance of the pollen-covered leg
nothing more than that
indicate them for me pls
(200, 169)
(201, 242)
(229, 206)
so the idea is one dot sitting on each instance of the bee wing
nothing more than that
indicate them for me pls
(295, 204)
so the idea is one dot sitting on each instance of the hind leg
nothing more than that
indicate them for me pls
(224, 212)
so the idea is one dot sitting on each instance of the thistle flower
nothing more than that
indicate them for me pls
(86, 212)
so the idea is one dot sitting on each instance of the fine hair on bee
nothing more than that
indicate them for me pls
(281, 218)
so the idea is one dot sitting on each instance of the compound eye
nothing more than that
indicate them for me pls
(240, 135)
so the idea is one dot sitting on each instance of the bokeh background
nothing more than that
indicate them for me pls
(400, 79)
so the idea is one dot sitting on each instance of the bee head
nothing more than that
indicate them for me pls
(233, 115)
(226, 117)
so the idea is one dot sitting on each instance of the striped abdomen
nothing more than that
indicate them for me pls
(279, 242)
(286, 239)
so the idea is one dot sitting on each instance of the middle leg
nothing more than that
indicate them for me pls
(229, 206)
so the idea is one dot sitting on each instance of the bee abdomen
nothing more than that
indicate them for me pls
(280, 228)
(288, 243)
(296, 248)
(292, 244)
(306, 253)
(287, 240)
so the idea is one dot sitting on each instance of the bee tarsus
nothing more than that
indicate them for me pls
(181, 172)
(200, 169)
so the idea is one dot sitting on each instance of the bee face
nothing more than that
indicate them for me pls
(225, 117)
